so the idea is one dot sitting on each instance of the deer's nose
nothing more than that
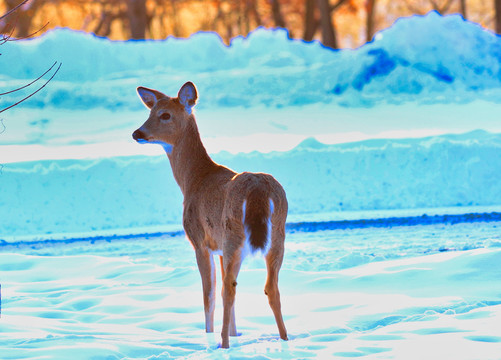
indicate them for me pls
(138, 135)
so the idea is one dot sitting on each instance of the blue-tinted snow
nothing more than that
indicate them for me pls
(441, 59)
(426, 59)
(349, 289)
(360, 291)
(137, 192)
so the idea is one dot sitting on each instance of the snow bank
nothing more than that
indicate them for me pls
(444, 305)
(442, 59)
(74, 196)
(280, 86)
(72, 300)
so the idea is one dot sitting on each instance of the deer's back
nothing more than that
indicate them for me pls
(218, 202)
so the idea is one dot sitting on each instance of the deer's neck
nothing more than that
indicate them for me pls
(189, 160)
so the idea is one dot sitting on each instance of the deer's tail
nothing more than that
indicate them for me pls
(257, 211)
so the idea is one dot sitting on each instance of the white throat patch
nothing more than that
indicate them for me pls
(167, 148)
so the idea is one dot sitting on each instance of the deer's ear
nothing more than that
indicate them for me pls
(149, 96)
(188, 96)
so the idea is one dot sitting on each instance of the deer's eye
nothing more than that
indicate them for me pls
(165, 116)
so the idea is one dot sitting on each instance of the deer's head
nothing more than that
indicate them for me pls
(168, 116)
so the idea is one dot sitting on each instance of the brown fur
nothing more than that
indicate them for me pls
(214, 196)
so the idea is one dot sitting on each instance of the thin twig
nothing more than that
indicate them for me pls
(446, 6)
(33, 93)
(34, 81)
(6, 38)
(411, 8)
(336, 5)
(10, 39)
(14, 9)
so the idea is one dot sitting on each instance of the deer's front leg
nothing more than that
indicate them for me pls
(208, 273)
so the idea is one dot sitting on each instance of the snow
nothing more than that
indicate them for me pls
(140, 191)
(389, 154)
(353, 292)
(431, 56)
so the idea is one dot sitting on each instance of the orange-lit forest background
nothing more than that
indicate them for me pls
(336, 23)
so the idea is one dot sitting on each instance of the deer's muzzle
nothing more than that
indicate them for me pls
(139, 136)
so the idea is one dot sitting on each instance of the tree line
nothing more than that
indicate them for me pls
(336, 23)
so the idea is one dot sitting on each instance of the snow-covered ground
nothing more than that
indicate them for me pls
(409, 292)
(365, 142)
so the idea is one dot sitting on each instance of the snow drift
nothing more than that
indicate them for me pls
(438, 58)
(376, 292)
(424, 59)
(74, 196)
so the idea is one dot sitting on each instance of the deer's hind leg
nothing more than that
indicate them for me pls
(273, 263)
(232, 261)
(233, 326)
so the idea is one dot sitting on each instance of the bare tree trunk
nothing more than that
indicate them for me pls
(412, 8)
(229, 32)
(328, 33)
(255, 13)
(310, 20)
(103, 27)
(463, 9)
(441, 9)
(277, 14)
(247, 15)
(370, 10)
(240, 17)
(138, 18)
(175, 21)
(497, 6)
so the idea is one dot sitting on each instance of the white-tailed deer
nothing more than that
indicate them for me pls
(224, 213)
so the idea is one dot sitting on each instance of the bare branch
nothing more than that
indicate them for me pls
(441, 9)
(446, 7)
(6, 38)
(33, 93)
(14, 9)
(337, 5)
(9, 38)
(34, 81)
(411, 7)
